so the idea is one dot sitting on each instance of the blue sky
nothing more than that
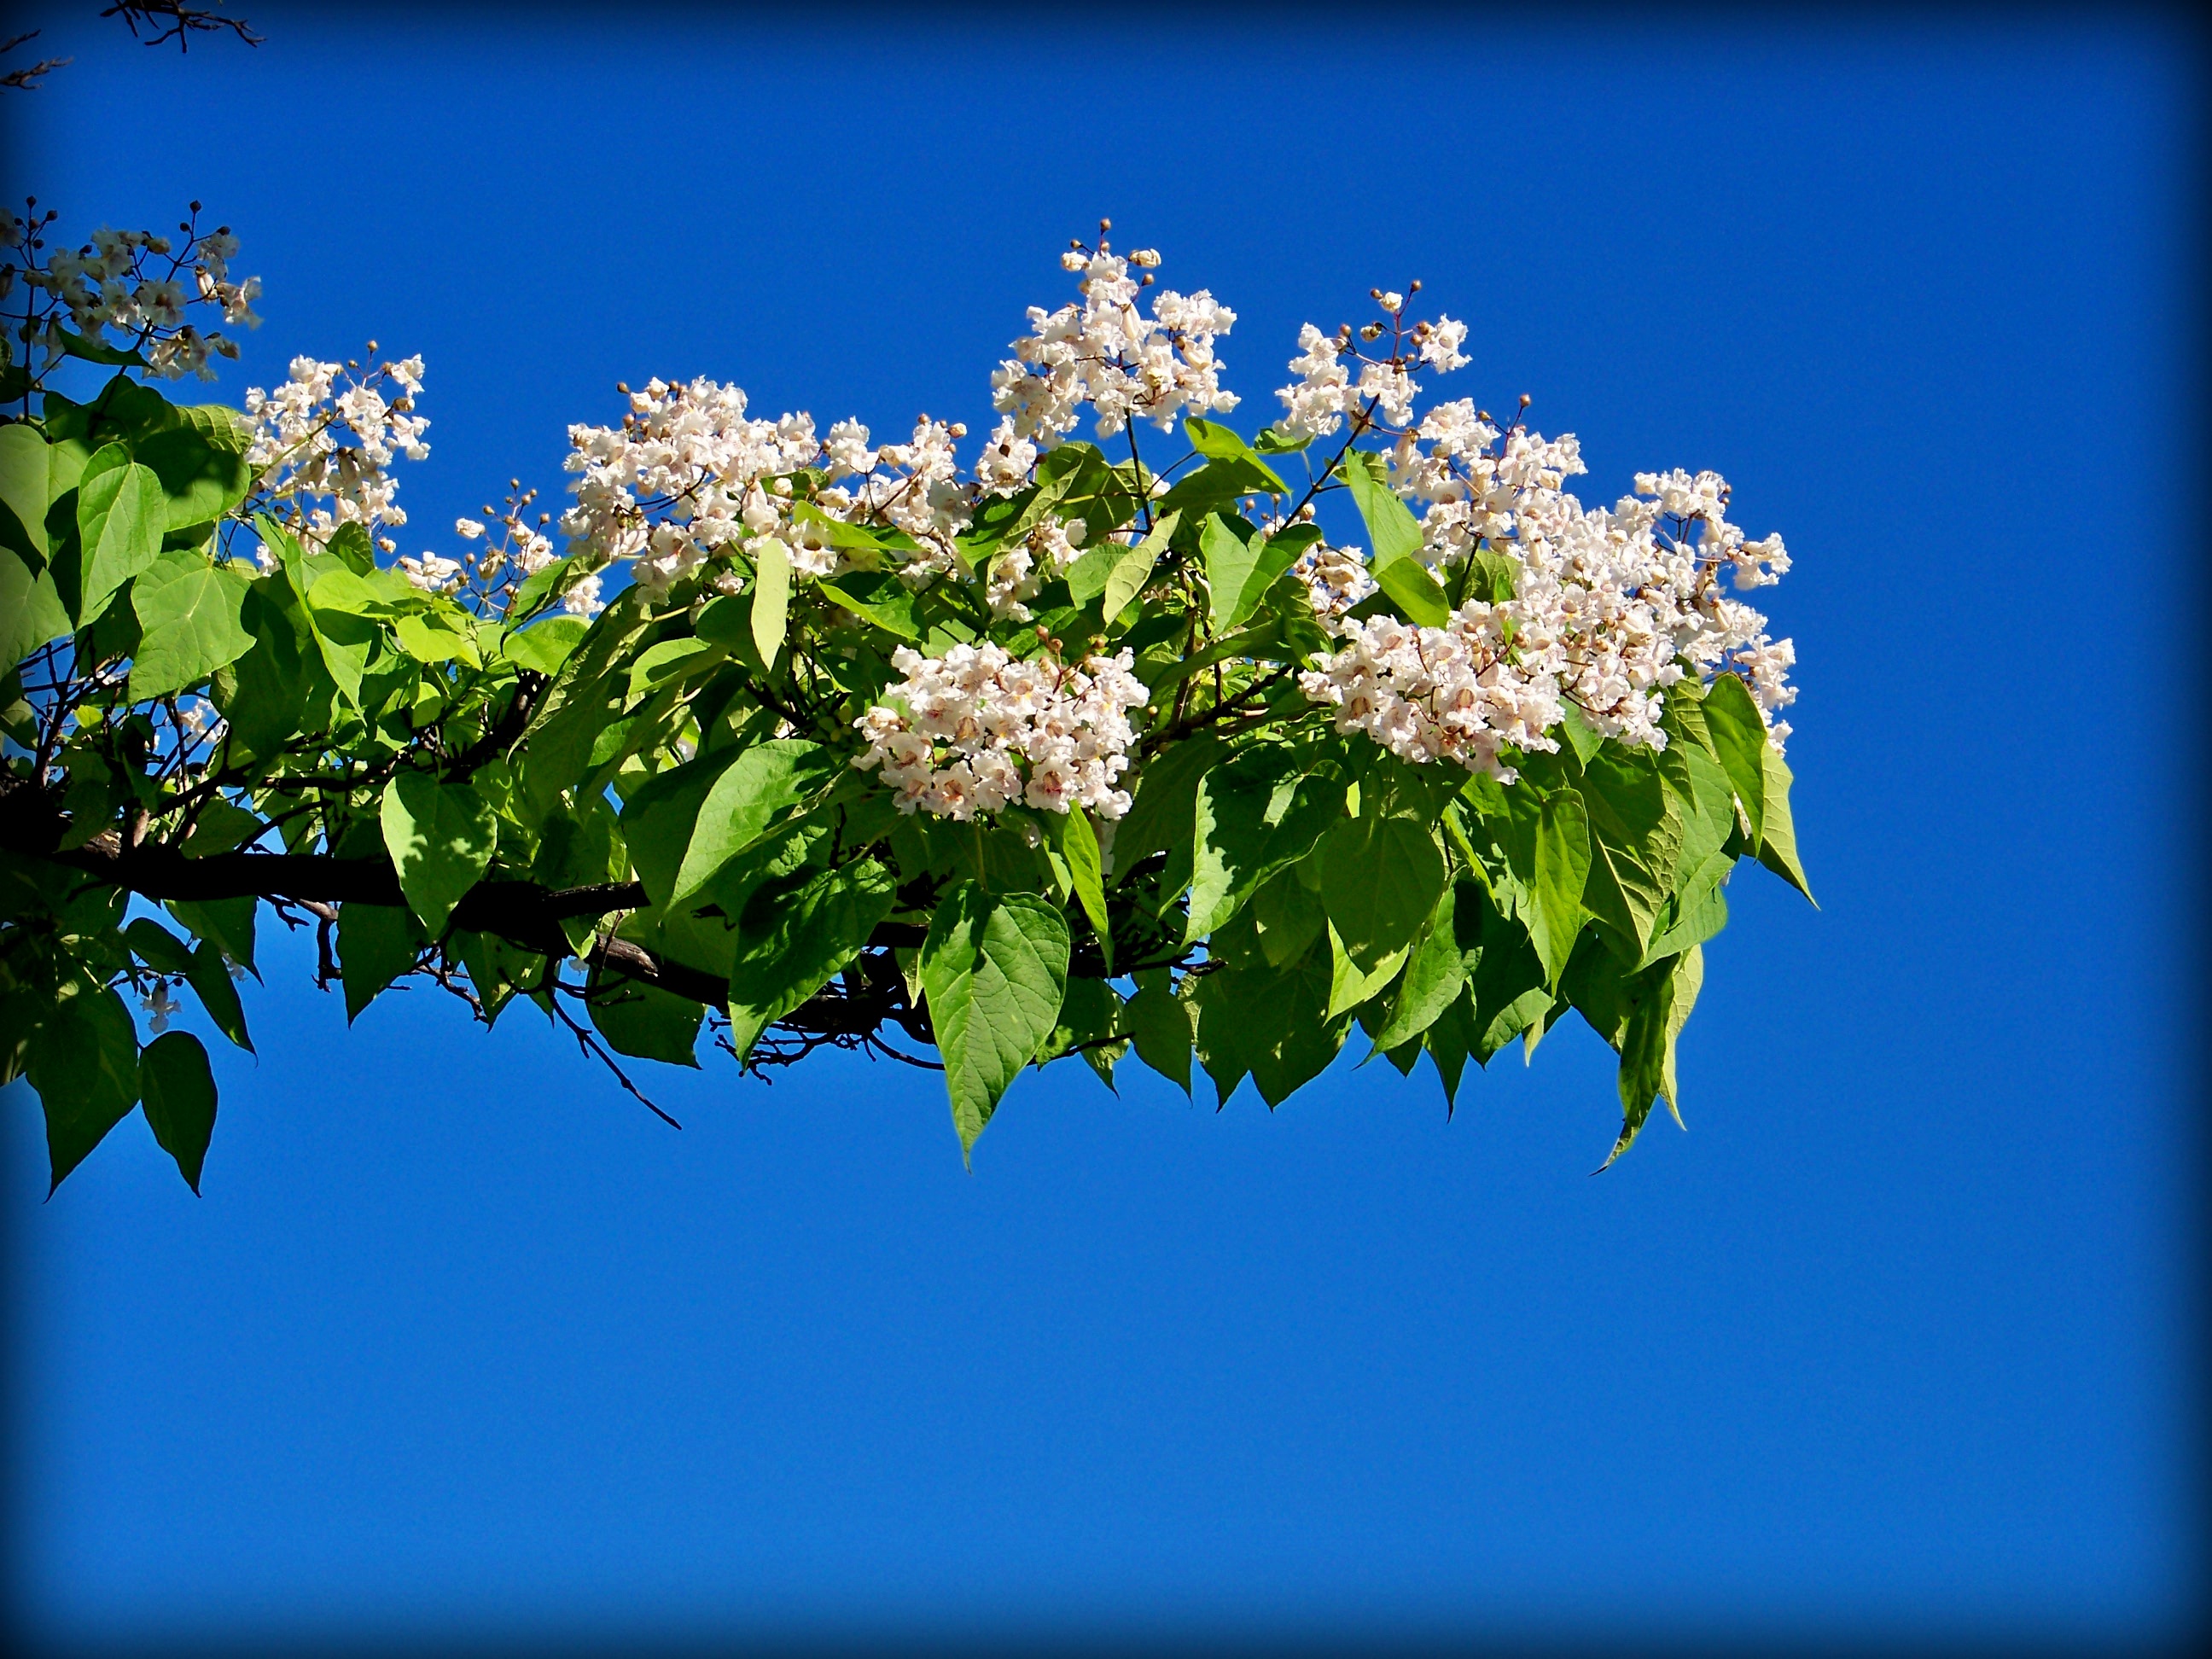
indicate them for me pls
(1892, 1340)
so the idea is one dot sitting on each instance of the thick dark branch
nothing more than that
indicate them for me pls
(633, 961)
(524, 912)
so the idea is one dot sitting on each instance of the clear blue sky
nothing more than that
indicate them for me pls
(1892, 1340)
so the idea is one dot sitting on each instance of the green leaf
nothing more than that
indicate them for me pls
(1682, 718)
(1687, 979)
(994, 971)
(25, 491)
(1274, 1023)
(271, 684)
(496, 967)
(377, 942)
(336, 589)
(1135, 568)
(1777, 842)
(879, 597)
(1219, 483)
(644, 1021)
(1253, 815)
(842, 532)
(1509, 991)
(1449, 1042)
(1491, 577)
(545, 647)
(1219, 443)
(1654, 1007)
(190, 620)
(1391, 526)
(210, 975)
(1090, 1024)
(809, 935)
(1739, 735)
(199, 456)
(342, 613)
(661, 815)
(441, 837)
(434, 636)
(1582, 738)
(120, 518)
(1380, 878)
(1079, 846)
(1435, 974)
(1163, 812)
(227, 923)
(771, 614)
(1414, 592)
(349, 546)
(83, 1061)
(542, 586)
(178, 1087)
(1287, 917)
(91, 349)
(1239, 570)
(1548, 848)
(1635, 841)
(1352, 984)
(1695, 925)
(1161, 1024)
(220, 826)
(736, 809)
(1114, 574)
(157, 947)
(1705, 803)
(32, 613)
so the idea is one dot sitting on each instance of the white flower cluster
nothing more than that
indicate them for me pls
(978, 730)
(302, 461)
(1015, 574)
(688, 476)
(1610, 607)
(681, 478)
(1336, 579)
(1428, 694)
(1326, 393)
(1106, 353)
(137, 283)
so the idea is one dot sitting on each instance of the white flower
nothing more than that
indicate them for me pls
(977, 730)
(160, 1005)
(430, 573)
(298, 456)
(1106, 354)
(583, 599)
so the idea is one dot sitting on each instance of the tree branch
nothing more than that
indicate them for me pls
(524, 912)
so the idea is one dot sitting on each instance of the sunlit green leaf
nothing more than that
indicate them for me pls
(120, 517)
(808, 935)
(1391, 527)
(1380, 878)
(190, 614)
(993, 969)
(441, 837)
